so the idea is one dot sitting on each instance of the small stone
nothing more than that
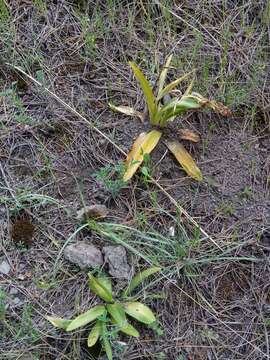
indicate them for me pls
(96, 211)
(4, 267)
(116, 258)
(84, 255)
(17, 302)
(13, 291)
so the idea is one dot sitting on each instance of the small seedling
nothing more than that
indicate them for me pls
(162, 111)
(114, 312)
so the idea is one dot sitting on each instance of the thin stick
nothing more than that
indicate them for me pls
(74, 111)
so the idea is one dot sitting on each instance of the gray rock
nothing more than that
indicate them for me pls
(13, 291)
(4, 267)
(17, 302)
(84, 255)
(116, 258)
(96, 211)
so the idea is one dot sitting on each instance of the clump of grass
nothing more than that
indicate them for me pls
(111, 178)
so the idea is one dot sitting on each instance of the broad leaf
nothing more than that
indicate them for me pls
(94, 334)
(185, 159)
(144, 144)
(59, 322)
(177, 107)
(119, 318)
(139, 278)
(106, 283)
(139, 312)
(163, 74)
(172, 85)
(106, 342)
(117, 312)
(147, 91)
(100, 288)
(130, 330)
(86, 317)
(127, 111)
(187, 134)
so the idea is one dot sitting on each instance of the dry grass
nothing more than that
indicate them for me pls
(213, 304)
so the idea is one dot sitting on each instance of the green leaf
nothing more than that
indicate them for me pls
(143, 145)
(130, 330)
(86, 317)
(59, 322)
(100, 287)
(147, 91)
(117, 312)
(119, 318)
(139, 312)
(172, 85)
(106, 343)
(139, 278)
(163, 74)
(94, 334)
(127, 111)
(106, 283)
(185, 159)
(177, 107)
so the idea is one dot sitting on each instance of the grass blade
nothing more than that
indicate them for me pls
(172, 85)
(144, 144)
(163, 74)
(185, 160)
(147, 91)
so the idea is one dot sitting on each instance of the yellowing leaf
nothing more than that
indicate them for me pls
(59, 322)
(100, 288)
(86, 317)
(187, 134)
(139, 312)
(147, 91)
(185, 159)
(139, 278)
(144, 144)
(163, 74)
(94, 334)
(127, 111)
(220, 108)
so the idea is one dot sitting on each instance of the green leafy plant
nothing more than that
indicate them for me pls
(163, 109)
(114, 311)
